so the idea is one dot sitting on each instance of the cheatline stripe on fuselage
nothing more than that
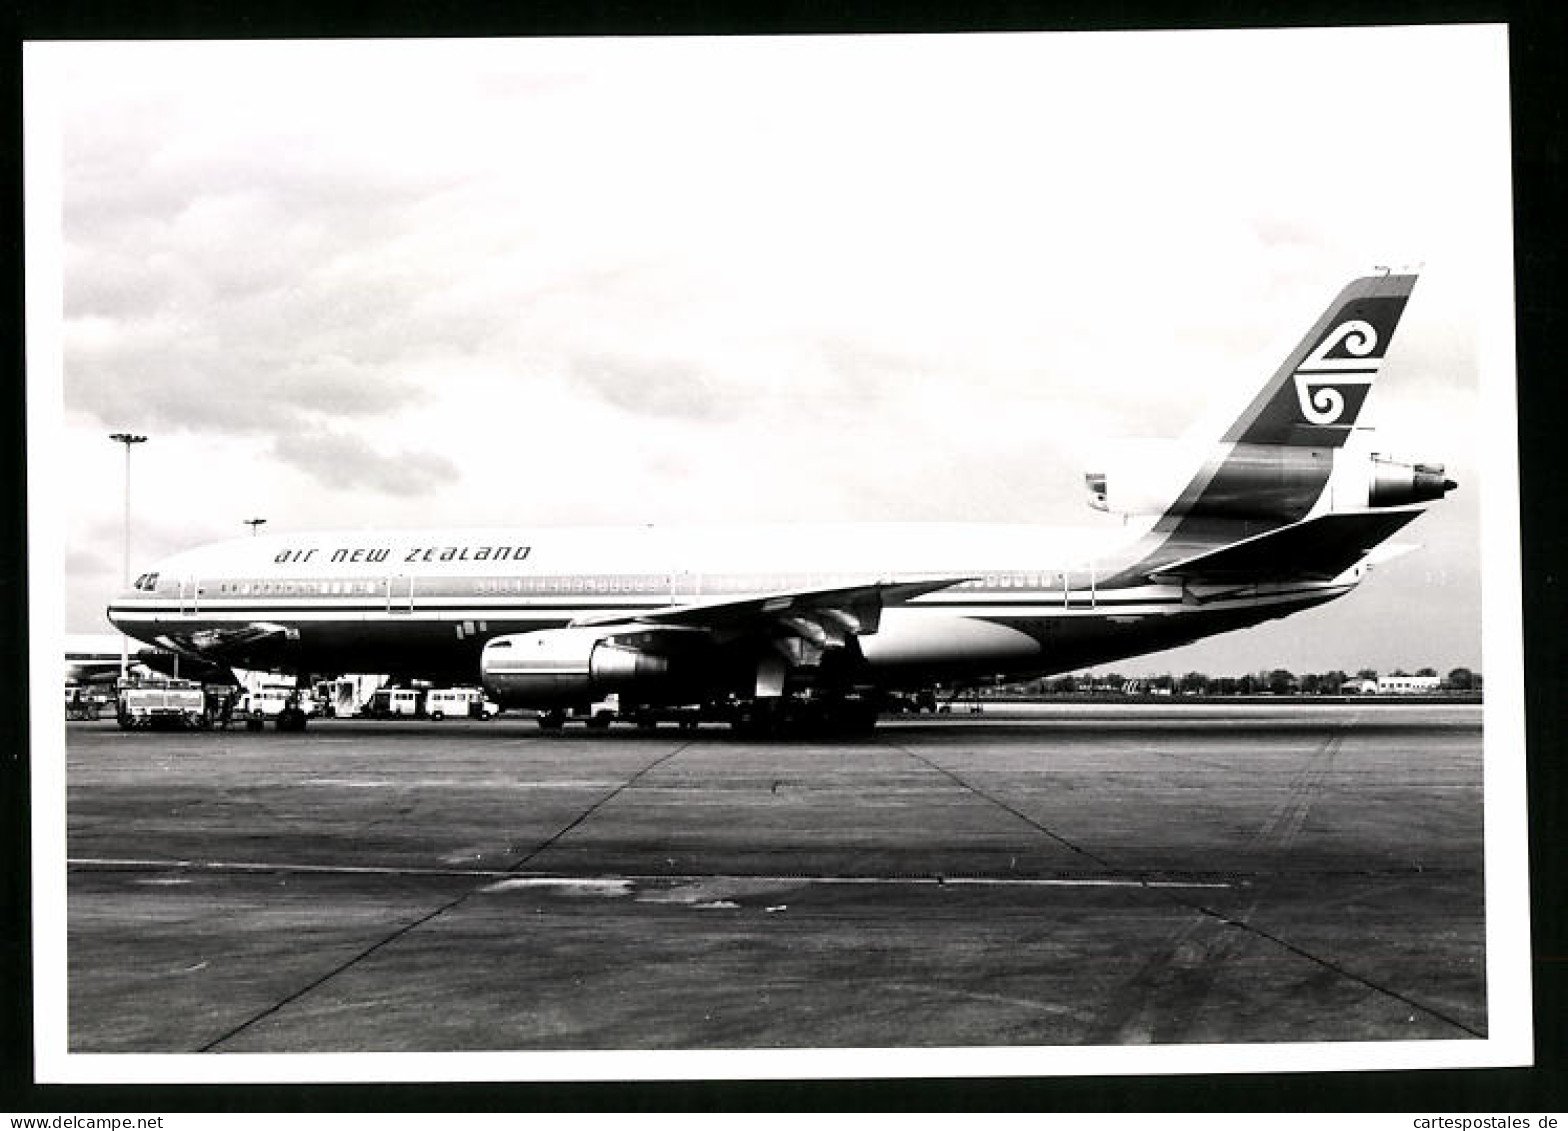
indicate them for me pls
(1077, 598)
(1046, 607)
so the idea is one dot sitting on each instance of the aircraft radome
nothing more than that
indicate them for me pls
(1283, 511)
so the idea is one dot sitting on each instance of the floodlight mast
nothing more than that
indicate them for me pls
(128, 439)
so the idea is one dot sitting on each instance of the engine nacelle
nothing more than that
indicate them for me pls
(1394, 484)
(1378, 481)
(560, 666)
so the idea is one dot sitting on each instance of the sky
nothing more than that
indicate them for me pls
(412, 283)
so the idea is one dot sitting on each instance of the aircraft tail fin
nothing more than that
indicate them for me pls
(1275, 459)
(1316, 395)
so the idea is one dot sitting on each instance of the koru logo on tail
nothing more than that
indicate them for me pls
(1321, 379)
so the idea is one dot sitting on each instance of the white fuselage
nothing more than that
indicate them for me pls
(423, 603)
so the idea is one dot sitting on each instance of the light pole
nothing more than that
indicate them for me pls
(126, 438)
(254, 524)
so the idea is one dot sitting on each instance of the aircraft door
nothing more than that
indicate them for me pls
(400, 594)
(190, 596)
(1080, 586)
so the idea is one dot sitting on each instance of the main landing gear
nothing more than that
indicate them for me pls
(765, 718)
(555, 719)
(783, 717)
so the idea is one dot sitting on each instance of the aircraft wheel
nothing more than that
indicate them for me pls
(126, 722)
(860, 718)
(552, 720)
(437, 716)
(601, 721)
(757, 720)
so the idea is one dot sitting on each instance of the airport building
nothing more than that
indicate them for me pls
(1408, 684)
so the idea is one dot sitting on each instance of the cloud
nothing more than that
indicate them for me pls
(346, 462)
(917, 287)
(673, 388)
(93, 562)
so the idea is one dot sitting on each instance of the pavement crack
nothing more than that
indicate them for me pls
(1332, 967)
(1282, 828)
(1022, 816)
(442, 909)
(551, 841)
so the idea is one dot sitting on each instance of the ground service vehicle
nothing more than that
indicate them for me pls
(287, 707)
(460, 703)
(396, 703)
(79, 706)
(163, 703)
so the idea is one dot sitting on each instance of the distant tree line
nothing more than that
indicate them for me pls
(1279, 681)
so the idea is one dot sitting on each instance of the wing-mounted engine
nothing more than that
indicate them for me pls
(658, 654)
(567, 665)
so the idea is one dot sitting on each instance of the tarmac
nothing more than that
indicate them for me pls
(1064, 875)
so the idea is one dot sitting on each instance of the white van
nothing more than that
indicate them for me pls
(460, 703)
(396, 703)
(256, 707)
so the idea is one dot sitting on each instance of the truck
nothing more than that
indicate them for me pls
(460, 703)
(162, 703)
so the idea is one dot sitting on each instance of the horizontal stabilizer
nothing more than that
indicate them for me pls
(1388, 551)
(1318, 549)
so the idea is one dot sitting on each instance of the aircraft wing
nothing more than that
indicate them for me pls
(229, 645)
(852, 609)
(1318, 549)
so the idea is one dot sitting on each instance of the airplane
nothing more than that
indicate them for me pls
(1284, 510)
(94, 658)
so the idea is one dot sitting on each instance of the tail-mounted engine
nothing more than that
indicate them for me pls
(1391, 483)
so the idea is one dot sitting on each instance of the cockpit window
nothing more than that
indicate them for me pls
(148, 581)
